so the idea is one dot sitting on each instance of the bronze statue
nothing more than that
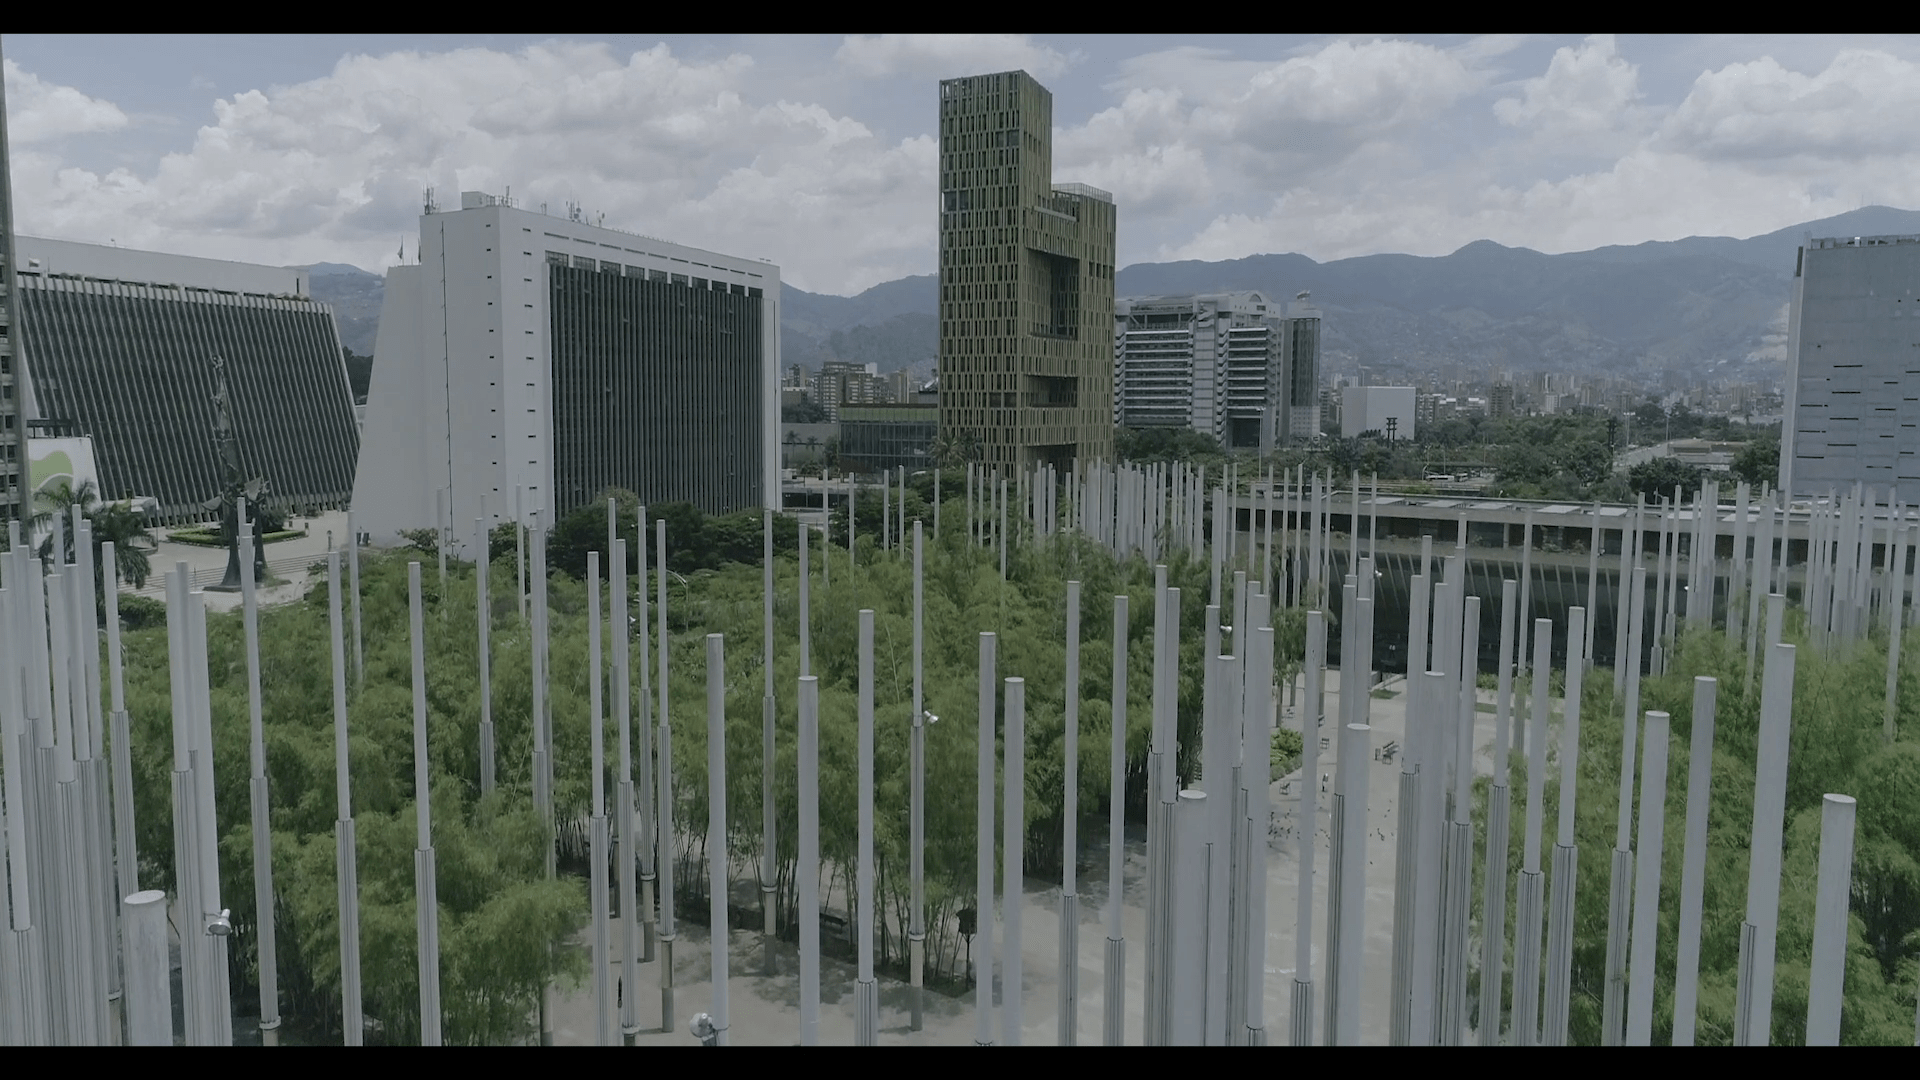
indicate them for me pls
(233, 490)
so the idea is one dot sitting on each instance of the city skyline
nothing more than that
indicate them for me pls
(818, 153)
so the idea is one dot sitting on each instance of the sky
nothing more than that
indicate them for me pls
(820, 153)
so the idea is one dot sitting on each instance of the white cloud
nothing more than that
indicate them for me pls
(1587, 92)
(948, 55)
(38, 111)
(1865, 103)
(332, 169)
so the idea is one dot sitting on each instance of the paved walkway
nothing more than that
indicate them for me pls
(765, 1009)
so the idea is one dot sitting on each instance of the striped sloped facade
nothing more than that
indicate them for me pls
(131, 365)
(657, 386)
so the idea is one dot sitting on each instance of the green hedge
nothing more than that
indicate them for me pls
(211, 538)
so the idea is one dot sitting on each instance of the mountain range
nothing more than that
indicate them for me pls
(1665, 309)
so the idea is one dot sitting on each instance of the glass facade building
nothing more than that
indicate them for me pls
(656, 386)
(876, 438)
(130, 364)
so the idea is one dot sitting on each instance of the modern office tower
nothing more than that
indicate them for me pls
(1388, 411)
(1853, 380)
(1300, 346)
(541, 360)
(15, 390)
(123, 345)
(1220, 364)
(1026, 283)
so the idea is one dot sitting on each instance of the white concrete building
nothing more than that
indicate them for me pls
(1853, 369)
(1235, 366)
(542, 360)
(1388, 410)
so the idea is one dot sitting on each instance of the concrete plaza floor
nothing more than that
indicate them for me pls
(765, 1010)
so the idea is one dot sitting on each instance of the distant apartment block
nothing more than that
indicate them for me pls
(1852, 409)
(1387, 411)
(541, 360)
(1221, 364)
(122, 343)
(1500, 401)
(1026, 282)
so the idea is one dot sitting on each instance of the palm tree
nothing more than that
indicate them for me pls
(114, 523)
(57, 503)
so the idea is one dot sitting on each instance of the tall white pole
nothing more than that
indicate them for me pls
(1525, 1023)
(149, 990)
(1344, 1013)
(866, 1003)
(806, 622)
(648, 830)
(353, 573)
(624, 813)
(1559, 958)
(1646, 879)
(1114, 1029)
(769, 866)
(425, 894)
(1827, 973)
(346, 861)
(917, 824)
(1070, 833)
(1013, 861)
(258, 798)
(603, 986)
(1620, 880)
(1306, 833)
(483, 610)
(1693, 864)
(1753, 1016)
(717, 828)
(1494, 877)
(983, 851)
(807, 861)
(663, 790)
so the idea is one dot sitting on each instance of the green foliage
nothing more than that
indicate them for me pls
(139, 612)
(1659, 476)
(1149, 445)
(503, 925)
(1758, 462)
(426, 541)
(808, 411)
(1287, 749)
(1836, 746)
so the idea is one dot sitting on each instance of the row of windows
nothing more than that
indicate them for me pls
(580, 262)
(656, 389)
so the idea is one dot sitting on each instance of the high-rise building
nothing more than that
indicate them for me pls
(1026, 282)
(1300, 349)
(1388, 411)
(1853, 368)
(1219, 364)
(1500, 401)
(15, 390)
(123, 344)
(546, 360)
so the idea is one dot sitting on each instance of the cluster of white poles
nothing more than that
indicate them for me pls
(69, 822)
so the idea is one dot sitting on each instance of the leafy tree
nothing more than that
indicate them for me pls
(808, 411)
(1758, 462)
(114, 523)
(1659, 476)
